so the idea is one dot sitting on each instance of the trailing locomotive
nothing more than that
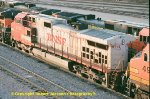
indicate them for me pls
(139, 67)
(117, 25)
(100, 55)
(139, 74)
(6, 18)
(89, 21)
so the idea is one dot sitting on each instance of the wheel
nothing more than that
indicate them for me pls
(13, 43)
(71, 68)
(138, 95)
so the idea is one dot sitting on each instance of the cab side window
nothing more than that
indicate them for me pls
(145, 57)
(28, 33)
(141, 38)
(144, 38)
(48, 25)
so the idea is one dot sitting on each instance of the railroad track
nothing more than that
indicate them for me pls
(108, 3)
(54, 65)
(36, 81)
(140, 11)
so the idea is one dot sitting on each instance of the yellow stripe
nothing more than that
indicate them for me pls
(146, 82)
(134, 70)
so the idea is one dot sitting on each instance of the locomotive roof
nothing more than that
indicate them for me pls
(128, 23)
(93, 21)
(45, 17)
(21, 15)
(65, 27)
(9, 13)
(41, 10)
(68, 15)
(102, 33)
(37, 8)
(50, 11)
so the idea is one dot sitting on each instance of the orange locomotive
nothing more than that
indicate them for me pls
(139, 70)
(139, 67)
(6, 18)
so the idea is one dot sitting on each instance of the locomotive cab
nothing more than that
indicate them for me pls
(23, 31)
(6, 18)
(144, 35)
(139, 71)
(138, 44)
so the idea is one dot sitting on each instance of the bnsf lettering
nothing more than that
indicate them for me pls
(56, 39)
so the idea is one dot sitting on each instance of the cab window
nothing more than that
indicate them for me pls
(33, 19)
(28, 33)
(144, 38)
(141, 38)
(145, 57)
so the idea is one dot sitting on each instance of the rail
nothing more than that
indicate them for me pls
(55, 65)
(44, 85)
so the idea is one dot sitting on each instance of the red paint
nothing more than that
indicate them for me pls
(137, 45)
(56, 39)
(7, 22)
(19, 32)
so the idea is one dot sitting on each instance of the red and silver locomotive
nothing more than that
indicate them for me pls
(99, 55)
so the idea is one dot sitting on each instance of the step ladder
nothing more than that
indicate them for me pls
(113, 76)
(128, 88)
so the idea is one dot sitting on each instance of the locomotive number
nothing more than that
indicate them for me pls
(123, 41)
(146, 69)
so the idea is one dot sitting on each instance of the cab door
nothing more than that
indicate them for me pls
(34, 35)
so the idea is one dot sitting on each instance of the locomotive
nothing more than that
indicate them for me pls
(97, 23)
(6, 18)
(139, 68)
(89, 20)
(114, 59)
